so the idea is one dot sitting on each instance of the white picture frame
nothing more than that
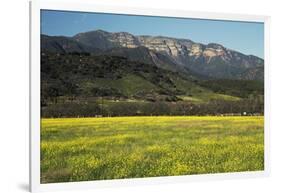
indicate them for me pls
(36, 6)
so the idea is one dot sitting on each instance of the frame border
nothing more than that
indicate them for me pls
(34, 93)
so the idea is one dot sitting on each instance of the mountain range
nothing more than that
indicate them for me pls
(211, 61)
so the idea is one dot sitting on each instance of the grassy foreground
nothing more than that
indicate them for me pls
(80, 149)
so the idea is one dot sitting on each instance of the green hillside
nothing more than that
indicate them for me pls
(104, 84)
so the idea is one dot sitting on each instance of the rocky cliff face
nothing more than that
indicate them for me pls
(211, 60)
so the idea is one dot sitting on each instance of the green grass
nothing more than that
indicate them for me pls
(200, 94)
(128, 85)
(80, 149)
(207, 97)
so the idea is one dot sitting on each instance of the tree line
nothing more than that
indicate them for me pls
(160, 108)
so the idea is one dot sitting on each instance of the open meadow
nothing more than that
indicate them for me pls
(82, 149)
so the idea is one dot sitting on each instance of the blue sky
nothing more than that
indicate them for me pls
(246, 37)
